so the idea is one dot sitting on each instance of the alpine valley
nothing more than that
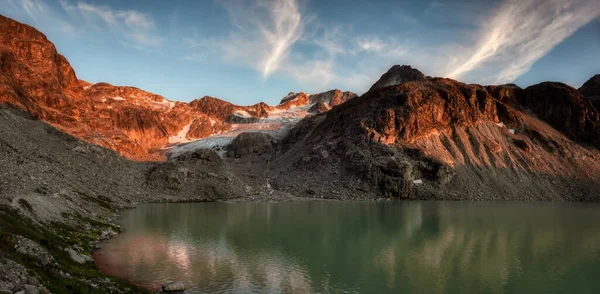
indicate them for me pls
(74, 154)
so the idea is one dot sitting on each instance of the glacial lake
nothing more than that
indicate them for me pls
(354, 247)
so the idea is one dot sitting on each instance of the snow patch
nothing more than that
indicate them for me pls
(512, 131)
(501, 124)
(86, 87)
(418, 182)
(181, 135)
(165, 103)
(242, 113)
(118, 98)
(103, 100)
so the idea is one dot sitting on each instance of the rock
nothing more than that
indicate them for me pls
(12, 276)
(251, 143)
(565, 109)
(320, 107)
(398, 75)
(77, 257)
(30, 289)
(33, 249)
(328, 99)
(203, 156)
(173, 287)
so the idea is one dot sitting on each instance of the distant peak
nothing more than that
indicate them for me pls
(398, 74)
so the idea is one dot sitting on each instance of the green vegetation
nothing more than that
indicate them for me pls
(54, 239)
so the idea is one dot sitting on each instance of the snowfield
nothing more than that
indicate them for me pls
(277, 124)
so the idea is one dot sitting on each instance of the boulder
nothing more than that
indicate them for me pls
(251, 143)
(173, 287)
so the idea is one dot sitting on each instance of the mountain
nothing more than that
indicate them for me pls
(137, 124)
(591, 90)
(66, 145)
(410, 136)
(434, 138)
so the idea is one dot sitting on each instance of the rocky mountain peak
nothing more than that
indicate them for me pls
(398, 74)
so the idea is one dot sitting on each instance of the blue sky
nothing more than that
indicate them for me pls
(248, 51)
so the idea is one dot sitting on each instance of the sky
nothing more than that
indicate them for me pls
(246, 51)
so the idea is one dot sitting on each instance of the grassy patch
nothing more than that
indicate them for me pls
(81, 236)
(12, 222)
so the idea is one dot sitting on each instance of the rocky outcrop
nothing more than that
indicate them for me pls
(332, 98)
(398, 74)
(320, 107)
(565, 109)
(591, 90)
(251, 143)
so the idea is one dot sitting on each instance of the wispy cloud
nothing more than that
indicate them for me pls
(39, 14)
(133, 25)
(264, 33)
(519, 33)
(32, 7)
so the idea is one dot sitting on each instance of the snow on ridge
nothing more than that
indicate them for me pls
(118, 98)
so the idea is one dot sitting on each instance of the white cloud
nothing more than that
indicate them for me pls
(32, 7)
(265, 32)
(371, 44)
(133, 25)
(37, 13)
(519, 33)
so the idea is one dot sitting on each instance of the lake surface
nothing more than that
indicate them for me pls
(340, 247)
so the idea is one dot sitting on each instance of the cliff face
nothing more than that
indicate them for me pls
(137, 124)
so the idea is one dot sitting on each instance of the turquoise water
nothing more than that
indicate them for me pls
(340, 247)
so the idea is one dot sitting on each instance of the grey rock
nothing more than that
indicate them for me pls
(79, 258)
(173, 287)
(30, 289)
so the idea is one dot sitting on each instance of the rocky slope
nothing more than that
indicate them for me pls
(137, 124)
(437, 138)
(58, 195)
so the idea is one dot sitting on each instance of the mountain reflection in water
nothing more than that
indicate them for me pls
(430, 247)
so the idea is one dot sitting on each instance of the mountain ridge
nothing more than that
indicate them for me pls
(136, 123)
